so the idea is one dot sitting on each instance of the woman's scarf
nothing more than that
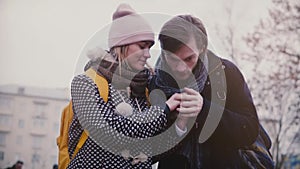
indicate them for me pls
(121, 77)
(169, 85)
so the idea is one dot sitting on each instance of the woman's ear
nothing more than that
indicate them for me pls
(201, 50)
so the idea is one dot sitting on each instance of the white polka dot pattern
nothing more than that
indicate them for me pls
(110, 132)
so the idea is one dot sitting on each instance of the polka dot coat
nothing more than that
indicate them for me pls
(109, 132)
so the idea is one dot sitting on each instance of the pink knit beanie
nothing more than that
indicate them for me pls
(128, 27)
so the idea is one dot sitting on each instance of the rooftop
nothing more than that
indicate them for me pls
(30, 91)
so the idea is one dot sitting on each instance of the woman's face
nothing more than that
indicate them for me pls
(183, 61)
(137, 55)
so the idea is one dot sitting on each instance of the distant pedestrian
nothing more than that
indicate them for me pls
(17, 165)
(55, 166)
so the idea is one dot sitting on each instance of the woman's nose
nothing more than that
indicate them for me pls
(147, 53)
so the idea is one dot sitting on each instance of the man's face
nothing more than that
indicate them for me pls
(19, 166)
(183, 61)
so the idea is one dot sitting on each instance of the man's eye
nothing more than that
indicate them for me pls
(188, 59)
(173, 58)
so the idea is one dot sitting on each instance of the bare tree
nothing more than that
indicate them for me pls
(227, 33)
(275, 52)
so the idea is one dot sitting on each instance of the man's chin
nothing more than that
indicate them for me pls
(181, 77)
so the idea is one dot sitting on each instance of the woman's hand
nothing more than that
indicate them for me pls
(174, 101)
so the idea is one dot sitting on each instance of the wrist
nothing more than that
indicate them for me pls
(180, 123)
(179, 131)
(170, 106)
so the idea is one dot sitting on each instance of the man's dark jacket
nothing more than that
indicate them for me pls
(238, 126)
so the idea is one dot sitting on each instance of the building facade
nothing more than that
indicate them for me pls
(29, 125)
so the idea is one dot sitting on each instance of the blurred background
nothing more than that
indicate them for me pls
(43, 45)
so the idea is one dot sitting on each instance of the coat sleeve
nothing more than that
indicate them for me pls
(104, 124)
(239, 123)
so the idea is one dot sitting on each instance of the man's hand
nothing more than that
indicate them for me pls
(190, 106)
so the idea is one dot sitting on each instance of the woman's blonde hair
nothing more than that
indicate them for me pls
(120, 53)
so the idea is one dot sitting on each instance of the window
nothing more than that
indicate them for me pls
(21, 123)
(5, 102)
(56, 127)
(54, 144)
(37, 141)
(5, 120)
(39, 123)
(2, 138)
(1, 155)
(19, 140)
(35, 158)
(17, 156)
(40, 109)
(54, 159)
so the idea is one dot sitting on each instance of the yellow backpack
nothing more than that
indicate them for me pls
(66, 119)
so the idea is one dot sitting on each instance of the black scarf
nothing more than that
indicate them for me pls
(121, 77)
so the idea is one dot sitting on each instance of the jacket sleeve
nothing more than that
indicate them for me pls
(99, 118)
(239, 123)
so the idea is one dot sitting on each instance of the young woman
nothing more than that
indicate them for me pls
(117, 127)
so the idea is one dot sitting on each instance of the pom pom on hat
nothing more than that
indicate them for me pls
(123, 10)
(128, 27)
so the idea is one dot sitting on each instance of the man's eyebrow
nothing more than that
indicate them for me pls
(192, 55)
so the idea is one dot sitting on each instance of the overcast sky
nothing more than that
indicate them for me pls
(42, 41)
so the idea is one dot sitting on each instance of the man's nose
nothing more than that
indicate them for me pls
(181, 66)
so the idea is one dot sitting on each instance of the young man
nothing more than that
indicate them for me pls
(216, 110)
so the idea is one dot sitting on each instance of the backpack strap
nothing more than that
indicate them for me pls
(84, 136)
(217, 79)
(147, 97)
(103, 89)
(100, 81)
